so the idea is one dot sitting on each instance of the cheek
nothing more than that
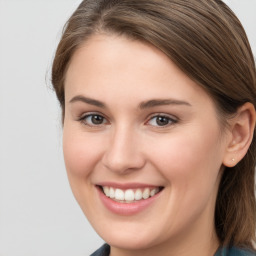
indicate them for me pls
(190, 164)
(81, 152)
(190, 161)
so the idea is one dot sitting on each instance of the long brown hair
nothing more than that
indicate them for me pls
(208, 43)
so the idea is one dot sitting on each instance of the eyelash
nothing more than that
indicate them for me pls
(91, 115)
(170, 120)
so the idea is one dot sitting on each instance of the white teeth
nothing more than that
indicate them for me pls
(111, 193)
(154, 191)
(129, 195)
(106, 191)
(146, 193)
(119, 194)
(138, 195)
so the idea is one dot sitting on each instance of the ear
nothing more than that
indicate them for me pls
(241, 134)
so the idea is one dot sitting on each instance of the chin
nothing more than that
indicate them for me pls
(129, 238)
(129, 241)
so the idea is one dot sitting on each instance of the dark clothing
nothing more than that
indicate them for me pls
(105, 250)
(234, 252)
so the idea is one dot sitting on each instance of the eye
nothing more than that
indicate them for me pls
(93, 120)
(161, 121)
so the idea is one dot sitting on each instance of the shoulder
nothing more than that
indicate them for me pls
(235, 252)
(241, 252)
(104, 250)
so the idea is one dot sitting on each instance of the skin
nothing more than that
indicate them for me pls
(185, 156)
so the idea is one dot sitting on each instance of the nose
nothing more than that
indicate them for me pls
(124, 152)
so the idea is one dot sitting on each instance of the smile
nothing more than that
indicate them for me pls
(128, 199)
(129, 195)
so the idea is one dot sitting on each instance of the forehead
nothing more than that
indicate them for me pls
(120, 67)
(103, 52)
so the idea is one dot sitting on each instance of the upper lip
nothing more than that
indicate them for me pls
(127, 185)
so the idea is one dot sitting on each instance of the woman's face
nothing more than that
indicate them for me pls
(139, 128)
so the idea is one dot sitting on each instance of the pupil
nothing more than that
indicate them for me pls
(161, 121)
(97, 119)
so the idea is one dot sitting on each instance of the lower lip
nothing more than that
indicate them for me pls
(126, 208)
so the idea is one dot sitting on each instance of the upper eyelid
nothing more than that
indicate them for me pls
(173, 121)
(85, 115)
(88, 114)
(173, 117)
(148, 118)
(91, 114)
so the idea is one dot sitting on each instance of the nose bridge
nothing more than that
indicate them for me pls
(123, 151)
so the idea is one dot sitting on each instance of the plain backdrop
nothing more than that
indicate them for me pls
(38, 214)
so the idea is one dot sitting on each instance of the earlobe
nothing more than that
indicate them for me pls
(241, 131)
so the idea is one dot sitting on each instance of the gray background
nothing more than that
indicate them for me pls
(38, 215)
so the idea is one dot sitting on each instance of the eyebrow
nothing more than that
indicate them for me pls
(162, 102)
(87, 100)
(146, 104)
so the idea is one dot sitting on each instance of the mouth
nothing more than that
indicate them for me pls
(129, 195)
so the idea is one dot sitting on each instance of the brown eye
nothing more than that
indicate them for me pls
(161, 120)
(94, 120)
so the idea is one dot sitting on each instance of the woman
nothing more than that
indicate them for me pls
(158, 101)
